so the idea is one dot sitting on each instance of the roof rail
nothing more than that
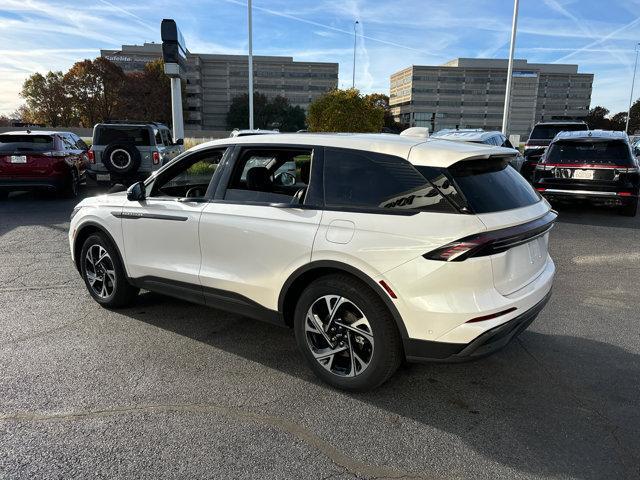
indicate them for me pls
(131, 122)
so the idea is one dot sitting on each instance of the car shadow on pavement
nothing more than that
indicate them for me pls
(602, 216)
(546, 405)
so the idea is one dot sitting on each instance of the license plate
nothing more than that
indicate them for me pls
(18, 159)
(583, 174)
(103, 177)
(535, 252)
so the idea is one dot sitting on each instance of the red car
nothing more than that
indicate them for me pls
(32, 160)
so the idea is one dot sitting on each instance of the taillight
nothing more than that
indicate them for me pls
(544, 166)
(55, 153)
(91, 156)
(540, 189)
(494, 241)
(625, 194)
(156, 158)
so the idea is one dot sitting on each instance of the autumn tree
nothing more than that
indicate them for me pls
(345, 111)
(382, 100)
(47, 97)
(267, 114)
(146, 95)
(634, 118)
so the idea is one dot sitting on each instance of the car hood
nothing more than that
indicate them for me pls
(116, 199)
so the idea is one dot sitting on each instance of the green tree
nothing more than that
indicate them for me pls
(47, 97)
(345, 111)
(111, 79)
(618, 121)
(267, 114)
(634, 118)
(597, 118)
(382, 100)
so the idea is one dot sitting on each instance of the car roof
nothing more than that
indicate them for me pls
(427, 152)
(562, 122)
(589, 134)
(35, 132)
(465, 135)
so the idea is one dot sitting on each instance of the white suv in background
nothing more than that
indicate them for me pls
(373, 248)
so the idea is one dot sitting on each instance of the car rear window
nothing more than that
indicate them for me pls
(25, 143)
(483, 186)
(548, 132)
(590, 152)
(139, 136)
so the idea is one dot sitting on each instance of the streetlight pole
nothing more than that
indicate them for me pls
(250, 68)
(512, 47)
(633, 84)
(353, 81)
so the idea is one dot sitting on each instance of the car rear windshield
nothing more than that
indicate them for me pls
(483, 186)
(548, 132)
(590, 152)
(139, 136)
(25, 143)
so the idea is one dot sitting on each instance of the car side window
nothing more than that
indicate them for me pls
(378, 183)
(270, 175)
(68, 143)
(189, 177)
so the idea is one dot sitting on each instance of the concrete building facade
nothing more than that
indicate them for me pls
(213, 81)
(469, 93)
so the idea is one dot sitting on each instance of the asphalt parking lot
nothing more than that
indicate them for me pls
(172, 390)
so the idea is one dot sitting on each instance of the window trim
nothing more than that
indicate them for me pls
(208, 196)
(313, 199)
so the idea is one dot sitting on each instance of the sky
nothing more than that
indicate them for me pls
(599, 36)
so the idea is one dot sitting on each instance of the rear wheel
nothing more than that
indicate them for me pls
(72, 185)
(104, 274)
(630, 210)
(347, 334)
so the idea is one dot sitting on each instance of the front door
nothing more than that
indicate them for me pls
(161, 232)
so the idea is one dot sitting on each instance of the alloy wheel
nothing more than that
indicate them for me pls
(99, 271)
(339, 335)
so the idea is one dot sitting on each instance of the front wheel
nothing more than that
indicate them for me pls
(347, 334)
(104, 274)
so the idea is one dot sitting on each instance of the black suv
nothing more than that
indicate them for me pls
(595, 165)
(125, 152)
(541, 137)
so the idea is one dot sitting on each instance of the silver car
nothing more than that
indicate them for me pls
(128, 152)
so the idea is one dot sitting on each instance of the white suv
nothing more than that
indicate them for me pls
(373, 248)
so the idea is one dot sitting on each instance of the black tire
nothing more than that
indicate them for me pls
(630, 210)
(72, 185)
(120, 292)
(121, 158)
(386, 350)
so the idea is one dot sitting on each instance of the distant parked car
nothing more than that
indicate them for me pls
(493, 138)
(256, 131)
(42, 160)
(541, 137)
(636, 148)
(126, 152)
(593, 165)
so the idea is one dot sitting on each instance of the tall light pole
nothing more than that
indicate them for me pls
(633, 84)
(512, 47)
(353, 81)
(250, 68)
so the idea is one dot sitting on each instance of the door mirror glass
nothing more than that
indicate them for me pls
(136, 192)
(284, 179)
(180, 141)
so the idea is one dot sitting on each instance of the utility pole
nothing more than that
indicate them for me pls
(250, 68)
(633, 84)
(512, 47)
(353, 82)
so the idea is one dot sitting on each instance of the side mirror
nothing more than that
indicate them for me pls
(136, 192)
(180, 141)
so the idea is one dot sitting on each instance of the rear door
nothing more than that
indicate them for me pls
(261, 225)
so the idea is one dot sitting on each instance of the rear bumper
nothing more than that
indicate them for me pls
(485, 344)
(596, 196)
(45, 183)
